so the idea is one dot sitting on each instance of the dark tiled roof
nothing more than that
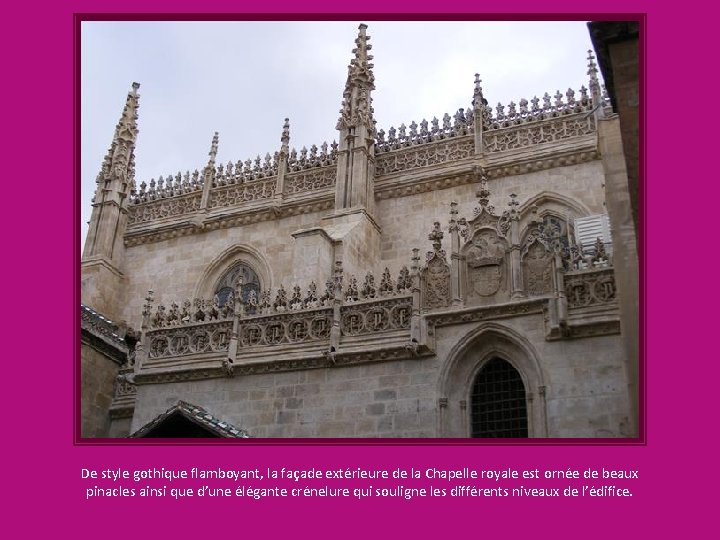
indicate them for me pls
(197, 415)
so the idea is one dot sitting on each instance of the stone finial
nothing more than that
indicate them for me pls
(478, 97)
(285, 137)
(147, 309)
(436, 236)
(592, 72)
(213, 149)
(338, 278)
(455, 222)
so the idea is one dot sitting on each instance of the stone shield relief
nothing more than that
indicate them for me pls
(436, 284)
(537, 270)
(485, 260)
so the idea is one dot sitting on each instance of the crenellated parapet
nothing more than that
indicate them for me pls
(322, 327)
(461, 123)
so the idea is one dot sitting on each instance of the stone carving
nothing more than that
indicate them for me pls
(368, 290)
(290, 327)
(386, 284)
(590, 287)
(399, 138)
(376, 316)
(550, 131)
(197, 311)
(150, 211)
(296, 302)
(436, 274)
(212, 337)
(351, 294)
(238, 194)
(537, 269)
(404, 282)
(311, 180)
(424, 156)
(485, 257)
(281, 303)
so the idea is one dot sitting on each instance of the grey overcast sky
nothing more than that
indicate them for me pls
(243, 78)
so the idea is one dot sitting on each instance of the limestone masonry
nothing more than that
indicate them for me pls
(448, 278)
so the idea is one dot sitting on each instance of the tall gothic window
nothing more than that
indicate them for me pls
(498, 402)
(226, 285)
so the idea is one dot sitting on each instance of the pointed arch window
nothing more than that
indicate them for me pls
(498, 405)
(226, 285)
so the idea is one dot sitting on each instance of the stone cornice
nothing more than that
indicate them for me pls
(104, 347)
(484, 313)
(95, 260)
(224, 369)
(198, 223)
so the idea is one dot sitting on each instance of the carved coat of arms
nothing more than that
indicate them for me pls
(485, 264)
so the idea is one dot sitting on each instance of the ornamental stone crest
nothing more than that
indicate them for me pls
(485, 256)
(537, 269)
(436, 274)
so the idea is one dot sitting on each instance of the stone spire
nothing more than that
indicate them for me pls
(355, 181)
(104, 250)
(283, 160)
(118, 169)
(481, 112)
(595, 90)
(209, 171)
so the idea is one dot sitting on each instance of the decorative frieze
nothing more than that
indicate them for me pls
(424, 156)
(590, 287)
(376, 316)
(163, 208)
(524, 136)
(310, 180)
(285, 328)
(201, 338)
(242, 193)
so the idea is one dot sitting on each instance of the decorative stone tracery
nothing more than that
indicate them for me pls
(435, 274)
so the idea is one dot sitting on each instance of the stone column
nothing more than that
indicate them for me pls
(455, 285)
(518, 289)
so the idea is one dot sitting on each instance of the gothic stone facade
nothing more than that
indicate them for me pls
(419, 282)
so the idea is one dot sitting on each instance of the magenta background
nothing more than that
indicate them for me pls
(41, 468)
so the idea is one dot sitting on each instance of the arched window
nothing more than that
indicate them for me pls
(498, 406)
(227, 283)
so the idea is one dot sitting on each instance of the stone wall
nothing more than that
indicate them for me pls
(583, 391)
(174, 268)
(97, 374)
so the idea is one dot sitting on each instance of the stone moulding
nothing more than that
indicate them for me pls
(484, 313)
(226, 218)
(317, 360)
